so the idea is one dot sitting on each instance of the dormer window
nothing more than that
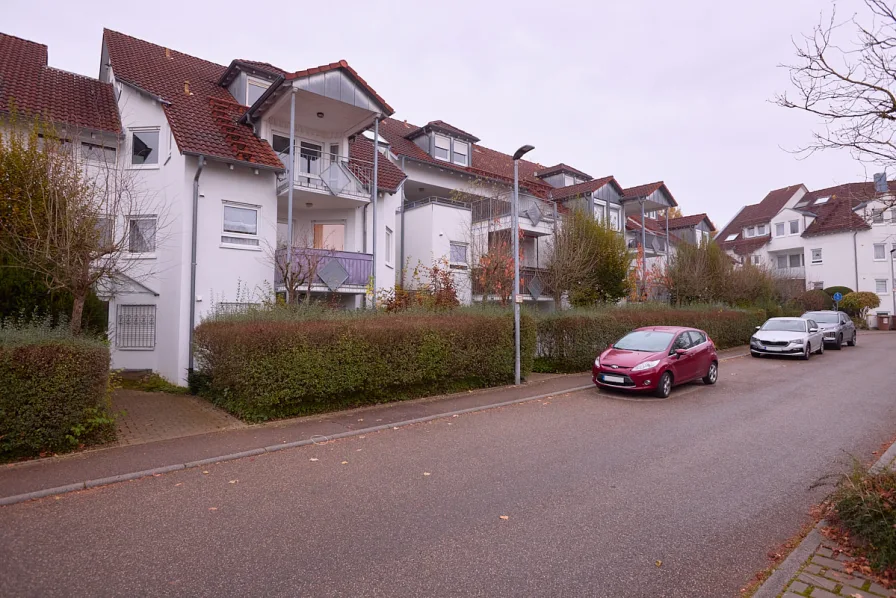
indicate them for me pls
(822, 200)
(461, 152)
(442, 148)
(731, 237)
(254, 89)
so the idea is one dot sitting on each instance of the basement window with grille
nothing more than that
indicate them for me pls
(136, 327)
(240, 226)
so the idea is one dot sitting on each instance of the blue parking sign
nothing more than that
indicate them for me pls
(838, 297)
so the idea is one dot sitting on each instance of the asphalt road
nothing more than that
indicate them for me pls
(603, 497)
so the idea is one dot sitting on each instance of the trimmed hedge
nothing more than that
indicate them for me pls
(55, 394)
(569, 340)
(270, 367)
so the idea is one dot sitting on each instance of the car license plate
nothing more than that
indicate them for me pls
(774, 348)
(614, 379)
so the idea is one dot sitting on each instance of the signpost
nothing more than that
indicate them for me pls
(837, 298)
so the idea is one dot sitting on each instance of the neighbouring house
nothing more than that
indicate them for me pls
(697, 229)
(838, 236)
(251, 166)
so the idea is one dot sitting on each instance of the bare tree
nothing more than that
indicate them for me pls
(72, 212)
(299, 274)
(850, 84)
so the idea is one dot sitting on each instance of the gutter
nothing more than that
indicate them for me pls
(193, 235)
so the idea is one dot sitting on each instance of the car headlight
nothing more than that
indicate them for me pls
(597, 361)
(646, 365)
(753, 340)
(798, 341)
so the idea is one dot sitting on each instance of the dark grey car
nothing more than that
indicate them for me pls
(836, 326)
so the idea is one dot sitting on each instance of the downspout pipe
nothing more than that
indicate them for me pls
(193, 235)
(855, 256)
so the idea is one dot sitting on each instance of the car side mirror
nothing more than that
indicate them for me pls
(813, 330)
(758, 327)
(680, 352)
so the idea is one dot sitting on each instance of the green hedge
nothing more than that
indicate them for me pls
(55, 393)
(569, 340)
(270, 367)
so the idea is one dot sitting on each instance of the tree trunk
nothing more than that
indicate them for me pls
(77, 310)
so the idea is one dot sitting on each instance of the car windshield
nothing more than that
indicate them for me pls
(644, 340)
(823, 317)
(785, 325)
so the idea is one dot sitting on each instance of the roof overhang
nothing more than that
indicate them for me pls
(238, 66)
(235, 162)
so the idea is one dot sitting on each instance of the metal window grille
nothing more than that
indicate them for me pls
(136, 327)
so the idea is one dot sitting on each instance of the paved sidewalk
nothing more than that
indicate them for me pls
(818, 567)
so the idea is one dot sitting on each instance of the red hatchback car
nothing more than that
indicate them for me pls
(657, 358)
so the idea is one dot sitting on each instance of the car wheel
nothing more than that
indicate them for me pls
(852, 343)
(712, 375)
(664, 388)
(807, 352)
(839, 344)
(820, 348)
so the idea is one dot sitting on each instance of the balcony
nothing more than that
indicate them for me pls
(790, 273)
(536, 216)
(327, 173)
(342, 271)
(532, 284)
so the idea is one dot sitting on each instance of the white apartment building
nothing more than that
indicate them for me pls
(243, 163)
(839, 236)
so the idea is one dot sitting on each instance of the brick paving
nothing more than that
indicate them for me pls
(824, 575)
(152, 416)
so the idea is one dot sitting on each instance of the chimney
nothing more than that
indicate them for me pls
(187, 88)
(168, 53)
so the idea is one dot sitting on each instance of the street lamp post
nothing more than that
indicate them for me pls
(892, 280)
(515, 224)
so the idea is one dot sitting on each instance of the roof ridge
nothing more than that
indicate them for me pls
(107, 30)
(22, 39)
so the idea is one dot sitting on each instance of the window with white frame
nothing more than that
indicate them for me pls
(145, 147)
(796, 260)
(877, 216)
(255, 89)
(794, 227)
(731, 237)
(779, 229)
(751, 232)
(390, 247)
(461, 152)
(93, 152)
(615, 219)
(761, 230)
(816, 256)
(458, 257)
(818, 286)
(142, 233)
(781, 262)
(755, 259)
(441, 147)
(600, 210)
(822, 200)
(136, 327)
(880, 252)
(240, 225)
(880, 286)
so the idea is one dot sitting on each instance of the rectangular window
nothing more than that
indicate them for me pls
(615, 221)
(442, 149)
(390, 247)
(280, 144)
(880, 251)
(751, 231)
(240, 225)
(97, 153)
(880, 286)
(329, 236)
(142, 234)
(309, 157)
(816, 256)
(145, 147)
(731, 237)
(781, 262)
(796, 260)
(255, 89)
(818, 286)
(334, 152)
(794, 227)
(760, 230)
(105, 227)
(877, 216)
(458, 257)
(136, 327)
(461, 152)
(779, 229)
(754, 259)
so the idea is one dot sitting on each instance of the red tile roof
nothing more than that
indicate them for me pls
(759, 213)
(343, 65)
(746, 246)
(194, 116)
(563, 168)
(586, 187)
(633, 222)
(264, 66)
(640, 191)
(838, 214)
(244, 145)
(389, 176)
(690, 222)
(32, 88)
(486, 162)
(441, 126)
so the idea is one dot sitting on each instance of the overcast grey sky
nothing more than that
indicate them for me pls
(643, 89)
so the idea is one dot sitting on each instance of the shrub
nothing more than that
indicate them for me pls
(277, 366)
(814, 301)
(569, 340)
(865, 504)
(55, 393)
(842, 290)
(153, 382)
(858, 304)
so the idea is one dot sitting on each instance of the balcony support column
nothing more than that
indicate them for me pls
(374, 193)
(292, 181)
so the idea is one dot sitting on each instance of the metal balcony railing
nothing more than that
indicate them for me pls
(333, 269)
(532, 211)
(532, 283)
(331, 173)
(795, 272)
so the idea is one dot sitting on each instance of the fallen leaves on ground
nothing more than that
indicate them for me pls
(178, 484)
(345, 462)
(233, 481)
(204, 473)
(314, 459)
(503, 517)
(213, 508)
(426, 473)
(659, 563)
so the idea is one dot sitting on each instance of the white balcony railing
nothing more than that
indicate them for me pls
(328, 173)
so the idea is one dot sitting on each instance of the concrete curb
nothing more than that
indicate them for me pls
(787, 570)
(11, 500)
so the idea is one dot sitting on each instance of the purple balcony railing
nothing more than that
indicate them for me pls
(358, 267)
